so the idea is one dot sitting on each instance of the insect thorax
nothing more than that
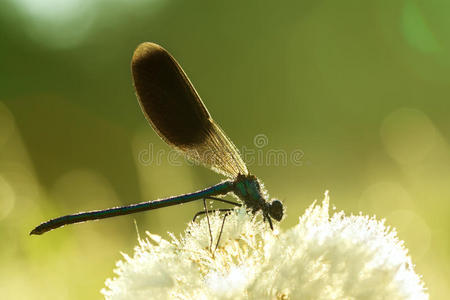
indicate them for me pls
(248, 189)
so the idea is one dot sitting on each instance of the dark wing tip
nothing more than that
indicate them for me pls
(167, 97)
(147, 50)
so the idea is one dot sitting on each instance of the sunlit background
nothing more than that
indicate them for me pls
(360, 87)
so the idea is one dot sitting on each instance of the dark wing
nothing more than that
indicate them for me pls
(176, 112)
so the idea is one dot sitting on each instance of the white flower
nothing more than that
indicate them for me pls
(323, 257)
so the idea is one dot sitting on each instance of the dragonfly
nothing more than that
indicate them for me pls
(174, 109)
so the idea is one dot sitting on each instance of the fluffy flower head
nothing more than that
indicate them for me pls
(322, 257)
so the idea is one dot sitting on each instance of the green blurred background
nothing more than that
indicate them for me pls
(361, 87)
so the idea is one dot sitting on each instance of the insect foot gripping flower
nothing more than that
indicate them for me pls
(323, 257)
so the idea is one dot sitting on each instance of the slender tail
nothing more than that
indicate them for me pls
(218, 189)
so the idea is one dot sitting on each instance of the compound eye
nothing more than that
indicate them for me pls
(276, 210)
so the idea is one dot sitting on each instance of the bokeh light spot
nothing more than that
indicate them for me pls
(408, 135)
(57, 24)
(413, 230)
(383, 197)
(84, 189)
(416, 30)
(7, 198)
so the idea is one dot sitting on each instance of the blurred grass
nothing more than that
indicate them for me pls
(360, 87)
